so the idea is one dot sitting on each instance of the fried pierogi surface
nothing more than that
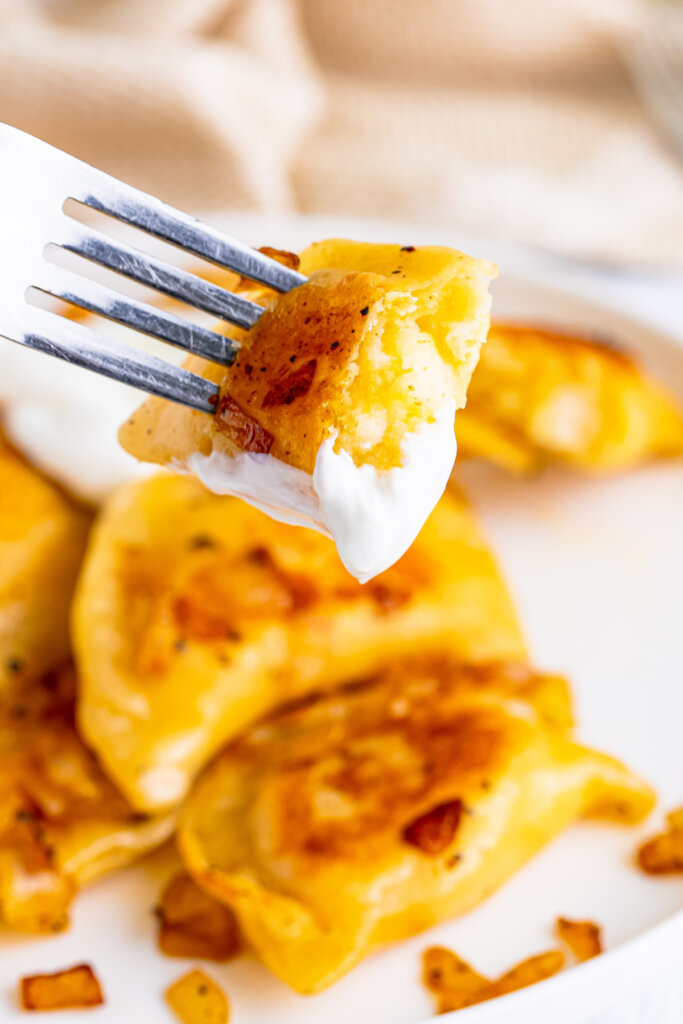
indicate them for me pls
(62, 822)
(379, 340)
(196, 614)
(42, 539)
(539, 397)
(369, 814)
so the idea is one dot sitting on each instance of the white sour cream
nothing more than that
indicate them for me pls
(66, 421)
(373, 517)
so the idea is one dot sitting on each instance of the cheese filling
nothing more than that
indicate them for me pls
(373, 517)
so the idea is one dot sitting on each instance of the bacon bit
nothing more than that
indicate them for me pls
(301, 589)
(292, 385)
(583, 938)
(201, 541)
(452, 980)
(242, 429)
(528, 972)
(260, 555)
(433, 832)
(195, 998)
(288, 259)
(388, 598)
(663, 854)
(457, 985)
(195, 925)
(75, 988)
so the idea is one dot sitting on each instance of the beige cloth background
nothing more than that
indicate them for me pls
(515, 118)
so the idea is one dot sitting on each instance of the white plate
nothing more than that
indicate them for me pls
(596, 569)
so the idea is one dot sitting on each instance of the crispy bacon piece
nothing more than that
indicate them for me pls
(197, 999)
(663, 854)
(388, 596)
(433, 832)
(451, 979)
(583, 938)
(195, 925)
(528, 972)
(457, 985)
(288, 259)
(291, 386)
(243, 430)
(75, 988)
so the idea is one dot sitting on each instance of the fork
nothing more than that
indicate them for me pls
(36, 180)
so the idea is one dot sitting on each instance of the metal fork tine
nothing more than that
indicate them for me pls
(79, 345)
(143, 211)
(95, 297)
(35, 181)
(155, 273)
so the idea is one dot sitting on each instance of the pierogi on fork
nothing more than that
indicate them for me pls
(401, 800)
(338, 413)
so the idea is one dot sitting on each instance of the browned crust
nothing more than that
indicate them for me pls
(75, 988)
(420, 792)
(296, 357)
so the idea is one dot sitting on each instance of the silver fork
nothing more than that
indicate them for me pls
(35, 182)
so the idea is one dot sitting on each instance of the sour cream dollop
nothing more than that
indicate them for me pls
(66, 421)
(372, 516)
